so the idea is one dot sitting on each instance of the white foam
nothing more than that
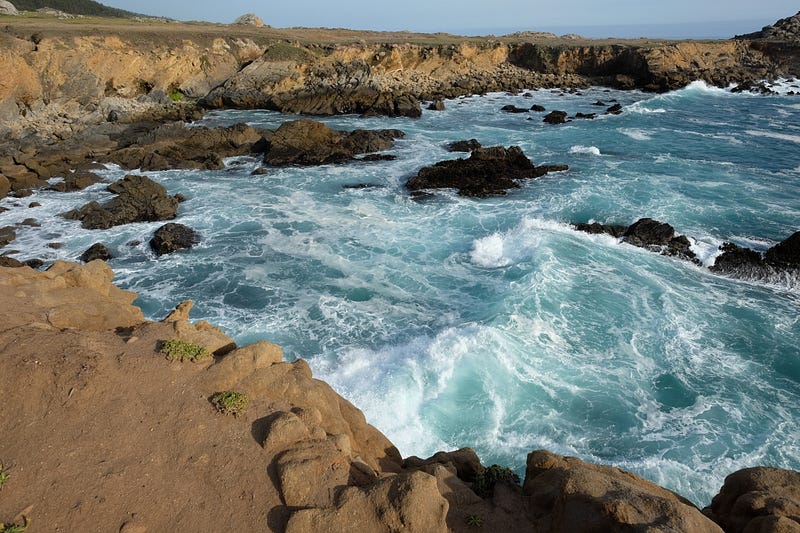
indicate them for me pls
(580, 149)
(636, 134)
(488, 252)
(774, 135)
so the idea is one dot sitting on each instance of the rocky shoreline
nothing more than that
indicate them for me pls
(82, 362)
(76, 350)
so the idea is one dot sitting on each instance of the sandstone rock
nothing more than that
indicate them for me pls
(283, 430)
(249, 19)
(310, 472)
(760, 499)
(307, 142)
(567, 494)
(10, 262)
(488, 171)
(242, 363)
(409, 503)
(555, 117)
(172, 237)
(5, 186)
(139, 200)
(465, 462)
(96, 251)
(7, 8)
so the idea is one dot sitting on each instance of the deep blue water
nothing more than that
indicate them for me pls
(491, 323)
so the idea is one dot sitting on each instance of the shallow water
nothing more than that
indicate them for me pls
(491, 323)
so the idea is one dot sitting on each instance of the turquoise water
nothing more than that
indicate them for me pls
(491, 323)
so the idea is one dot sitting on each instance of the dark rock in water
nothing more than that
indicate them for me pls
(488, 171)
(307, 142)
(55, 245)
(436, 105)
(377, 157)
(589, 116)
(172, 237)
(513, 109)
(615, 109)
(600, 103)
(738, 262)
(568, 494)
(34, 204)
(463, 146)
(648, 232)
(538, 108)
(76, 181)
(761, 499)
(260, 171)
(555, 117)
(96, 251)
(31, 222)
(596, 228)
(358, 186)
(10, 262)
(34, 263)
(139, 199)
(7, 234)
(786, 253)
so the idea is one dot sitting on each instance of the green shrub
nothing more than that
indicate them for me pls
(474, 520)
(13, 528)
(230, 402)
(176, 96)
(484, 482)
(3, 476)
(178, 350)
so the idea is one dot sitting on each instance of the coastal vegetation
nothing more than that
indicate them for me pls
(75, 7)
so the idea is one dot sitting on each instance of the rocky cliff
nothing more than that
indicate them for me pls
(114, 423)
(69, 76)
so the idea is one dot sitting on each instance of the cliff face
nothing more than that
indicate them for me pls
(65, 81)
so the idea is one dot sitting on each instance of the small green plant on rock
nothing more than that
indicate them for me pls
(176, 96)
(230, 402)
(3, 476)
(178, 350)
(14, 528)
(474, 520)
(484, 482)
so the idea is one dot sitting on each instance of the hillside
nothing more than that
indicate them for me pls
(75, 7)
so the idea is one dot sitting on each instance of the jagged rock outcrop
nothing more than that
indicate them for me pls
(567, 494)
(172, 237)
(745, 263)
(762, 499)
(7, 8)
(139, 199)
(786, 29)
(487, 172)
(175, 146)
(76, 181)
(306, 142)
(646, 233)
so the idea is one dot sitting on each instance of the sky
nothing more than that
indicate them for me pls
(472, 17)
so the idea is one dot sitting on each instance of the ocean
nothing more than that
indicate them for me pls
(491, 323)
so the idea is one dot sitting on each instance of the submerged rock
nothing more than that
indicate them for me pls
(513, 109)
(96, 251)
(555, 117)
(488, 171)
(463, 146)
(645, 233)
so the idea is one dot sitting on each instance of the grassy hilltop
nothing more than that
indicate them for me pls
(75, 7)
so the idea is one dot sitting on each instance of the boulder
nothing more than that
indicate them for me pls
(555, 117)
(648, 232)
(249, 19)
(96, 251)
(172, 237)
(7, 234)
(10, 262)
(760, 499)
(615, 109)
(568, 494)
(307, 142)
(513, 109)
(538, 108)
(436, 105)
(463, 146)
(488, 171)
(139, 199)
(596, 228)
(76, 181)
(465, 461)
(7, 8)
(5, 186)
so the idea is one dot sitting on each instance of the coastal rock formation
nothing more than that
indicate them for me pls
(487, 172)
(139, 199)
(745, 263)
(172, 237)
(96, 251)
(760, 499)
(306, 142)
(646, 233)
(463, 146)
(786, 29)
(567, 494)
(249, 19)
(76, 181)
(176, 146)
